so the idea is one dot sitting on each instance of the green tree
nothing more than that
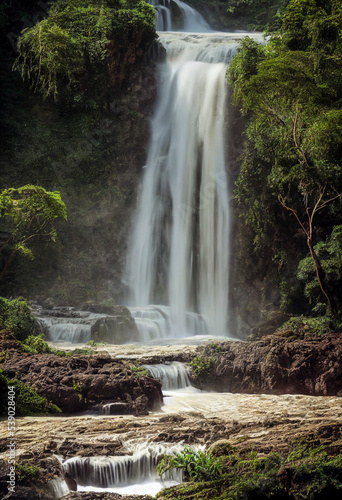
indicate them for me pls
(292, 91)
(28, 213)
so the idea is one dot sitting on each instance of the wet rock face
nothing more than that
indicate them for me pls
(79, 383)
(275, 365)
(116, 329)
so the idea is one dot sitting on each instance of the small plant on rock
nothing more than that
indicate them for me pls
(196, 465)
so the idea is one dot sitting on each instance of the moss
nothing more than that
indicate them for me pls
(306, 473)
(202, 365)
(138, 370)
(26, 472)
(27, 400)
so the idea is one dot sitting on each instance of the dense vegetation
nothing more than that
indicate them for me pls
(290, 185)
(26, 214)
(307, 472)
(242, 14)
(67, 54)
(27, 400)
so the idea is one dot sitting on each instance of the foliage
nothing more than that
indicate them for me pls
(37, 345)
(26, 472)
(244, 14)
(69, 51)
(292, 90)
(138, 370)
(16, 317)
(27, 400)
(28, 213)
(196, 465)
(202, 365)
(305, 473)
(329, 253)
(301, 325)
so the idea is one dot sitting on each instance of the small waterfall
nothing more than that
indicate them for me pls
(73, 330)
(105, 472)
(188, 19)
(172, 376)
(155, 322)
(58, 488)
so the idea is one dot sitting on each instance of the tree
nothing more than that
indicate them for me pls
(292, 90)
(308, 229)
(26, 214)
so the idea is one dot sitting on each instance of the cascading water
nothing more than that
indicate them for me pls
(175, 15)
(172, 376)
(179, 251)
(123, 472)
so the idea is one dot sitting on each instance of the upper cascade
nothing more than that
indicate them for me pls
(175, 15)
(179, 249)
(213, 47)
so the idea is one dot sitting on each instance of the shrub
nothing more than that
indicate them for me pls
(196, 465)
(301, 325)
(202, 365)
(16, 316)
(28, 401)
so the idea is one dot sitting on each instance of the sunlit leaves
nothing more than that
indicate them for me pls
(28, 213)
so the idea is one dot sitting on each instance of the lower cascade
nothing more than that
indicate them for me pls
(172, 376)
(120, 471)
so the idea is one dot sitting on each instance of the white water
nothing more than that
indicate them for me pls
(58, 488)
(179, 250)
(188, 18)
(75, 330)
(155, 322)
(124, 474)
(172, 376)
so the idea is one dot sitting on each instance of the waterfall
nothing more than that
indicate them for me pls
(172, 376)
(58, 488)
(119, 471)
(75, 330)
(155, 322)
(179, 250)
(175, 15)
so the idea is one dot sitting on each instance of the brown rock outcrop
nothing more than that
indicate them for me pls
(79, 383)
(275, 365)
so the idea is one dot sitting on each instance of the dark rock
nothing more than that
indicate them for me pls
(118, 329)
(276, 365)
(79, 383)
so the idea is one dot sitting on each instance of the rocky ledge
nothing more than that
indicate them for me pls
(276, 364)
(79, 383)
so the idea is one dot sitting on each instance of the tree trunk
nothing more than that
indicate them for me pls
(322, 278)
(9, 260)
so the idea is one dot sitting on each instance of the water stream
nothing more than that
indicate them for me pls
(179, 249)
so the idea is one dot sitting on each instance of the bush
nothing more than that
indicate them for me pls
(196, 465)
(301, 325)
(202, 365)
(37, 345)
(27, 400)
(306, 473)
(16, 316)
